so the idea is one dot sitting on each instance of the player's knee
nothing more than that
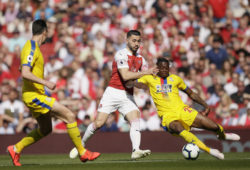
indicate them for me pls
(176, 127)
(70, 117)
(99, 123)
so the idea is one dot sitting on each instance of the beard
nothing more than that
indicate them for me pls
(133, 49)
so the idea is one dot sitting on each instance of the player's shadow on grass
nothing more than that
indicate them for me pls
(31, 164)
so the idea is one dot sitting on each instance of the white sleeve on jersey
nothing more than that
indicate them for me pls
(144, 65)
(121, 60)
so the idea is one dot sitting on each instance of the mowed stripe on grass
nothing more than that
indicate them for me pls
(122, 162)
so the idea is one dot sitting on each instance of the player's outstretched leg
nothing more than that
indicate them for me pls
(189, 137)
(208, 124)
(177, 128)
(226, 136)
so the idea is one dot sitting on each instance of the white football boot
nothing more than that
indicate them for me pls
(137, 154)
(229, 136)
(216, 153)
(232, 136)
(73, 153)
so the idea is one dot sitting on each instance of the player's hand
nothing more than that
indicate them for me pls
(50, 85)
(206, 111)
(153, 70)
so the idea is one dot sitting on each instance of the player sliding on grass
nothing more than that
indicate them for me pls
(177, 117)
(126, 66)
(40, 105)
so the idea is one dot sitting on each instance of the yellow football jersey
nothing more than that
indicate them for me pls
(31, 56)
(165, 92)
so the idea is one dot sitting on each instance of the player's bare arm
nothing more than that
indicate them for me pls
(134, 83)
(27, 74)
(140, 85)
(129, 75)
(199, 100)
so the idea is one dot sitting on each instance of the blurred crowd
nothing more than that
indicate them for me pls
(207, 42)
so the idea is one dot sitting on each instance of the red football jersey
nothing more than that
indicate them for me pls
(125, 59)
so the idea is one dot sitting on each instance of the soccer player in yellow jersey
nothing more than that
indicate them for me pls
(177, 117)
(40, 105)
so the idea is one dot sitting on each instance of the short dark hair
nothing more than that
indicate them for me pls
(161, 60)
(217, 38)
(38, 27)
(133, 32)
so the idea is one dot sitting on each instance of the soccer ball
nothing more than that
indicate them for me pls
(190, 151)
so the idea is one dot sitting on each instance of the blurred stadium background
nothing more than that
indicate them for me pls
(207, 42)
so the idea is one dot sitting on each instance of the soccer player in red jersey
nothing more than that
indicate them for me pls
(127, 65)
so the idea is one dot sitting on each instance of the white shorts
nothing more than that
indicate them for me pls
(115, 99)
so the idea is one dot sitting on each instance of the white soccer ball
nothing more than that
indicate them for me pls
(190, 151)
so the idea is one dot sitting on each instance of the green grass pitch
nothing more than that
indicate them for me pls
(121, 161)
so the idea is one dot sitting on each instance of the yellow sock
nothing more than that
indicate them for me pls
(221, 132)
(189, 137)
(31, 138)
(75, 136)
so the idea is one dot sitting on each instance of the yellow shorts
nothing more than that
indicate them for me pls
(38, 103)
(186, 115)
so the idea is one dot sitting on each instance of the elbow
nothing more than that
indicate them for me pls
(24, 75)
(125, 78)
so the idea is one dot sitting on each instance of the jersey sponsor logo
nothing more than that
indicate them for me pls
(164, 88)
(30, 58)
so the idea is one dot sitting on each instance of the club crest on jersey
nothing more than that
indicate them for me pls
(30, 58)
(48, 99)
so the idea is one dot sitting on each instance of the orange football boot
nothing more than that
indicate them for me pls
(89, 156)
(14, 156)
